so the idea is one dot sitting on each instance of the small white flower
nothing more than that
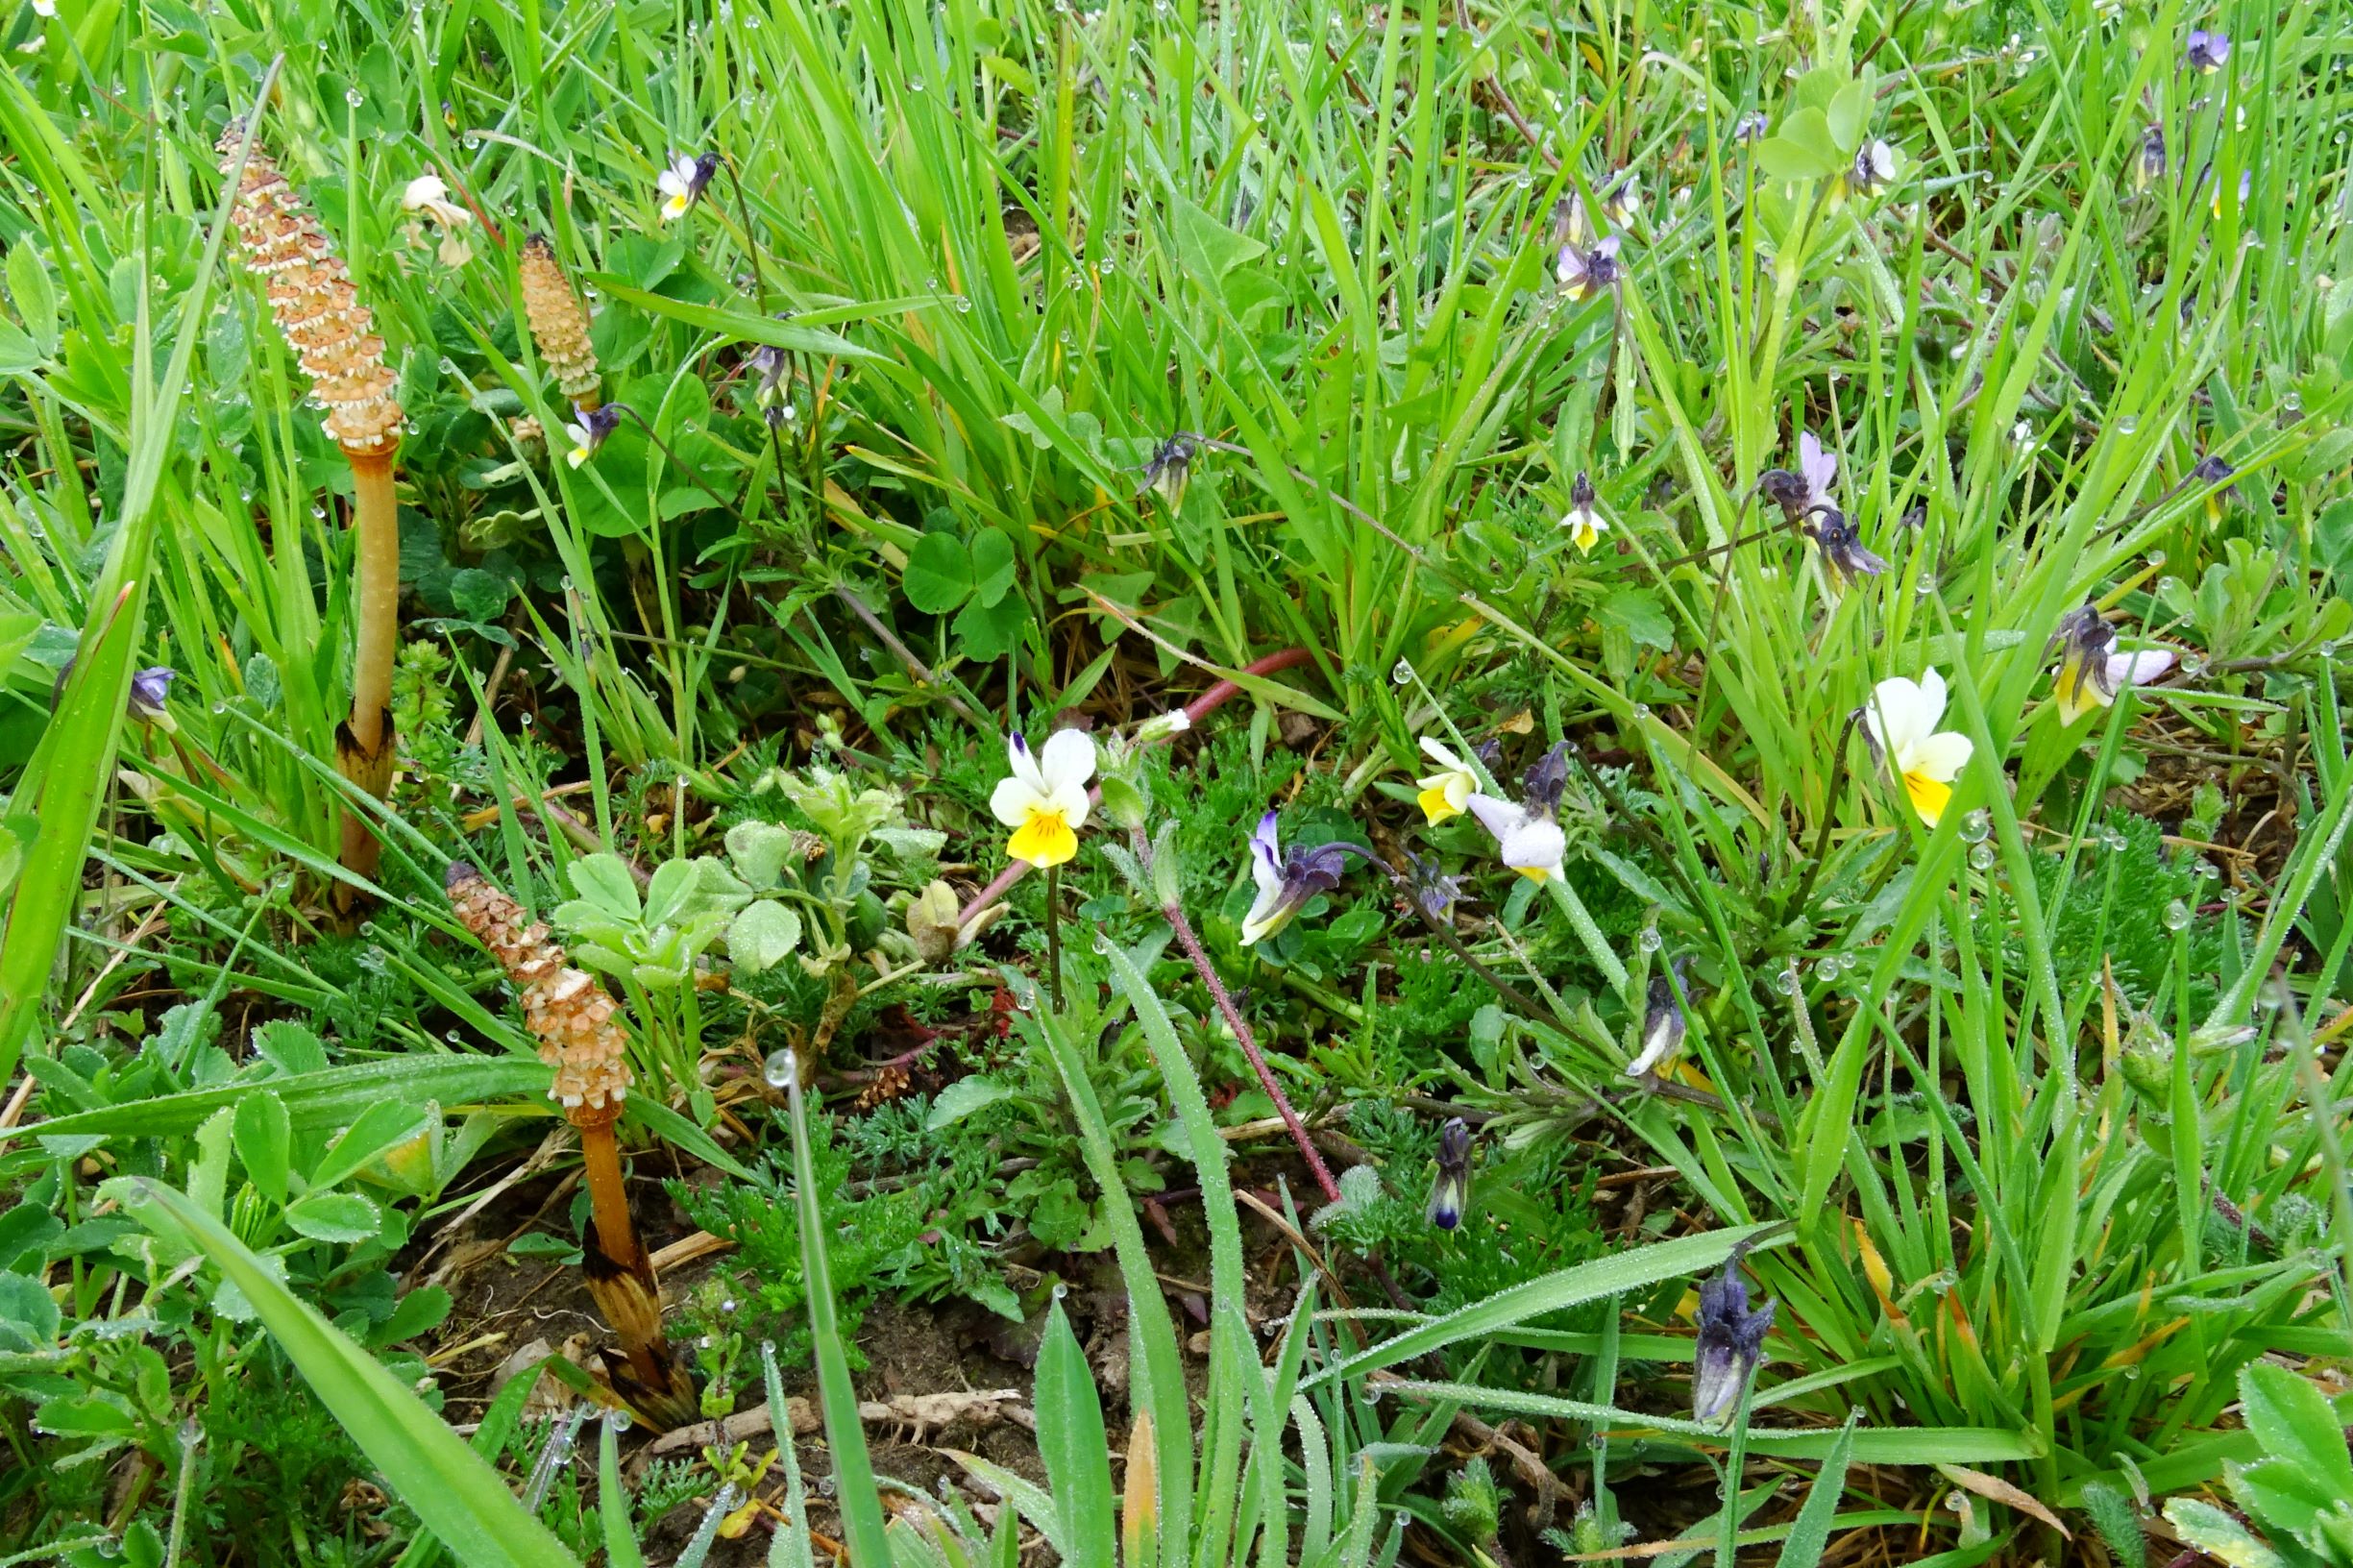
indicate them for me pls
(1901, 720)
(1529, 843)
(1044, 798)
(1446, 793)
(683, 182)
(44, 8)
(429, 194)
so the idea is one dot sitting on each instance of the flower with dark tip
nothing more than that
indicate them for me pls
(1434, 894)
(588, 429)
(1288, 883)
(1044, 798)
(1731, 1341)
(1662, 1023)
(1842, 548)
(2206, 52)
(1750, 127)
(1585, 273)
(2091, 672)
(1874, 167)
(1584, 519)
(148, 689)
(1809, 487)
(768, 363)
(1170, 467)
(1451, 1192)
(684, 182)
(2149, 168)
(2218, 472)
(1527, 836)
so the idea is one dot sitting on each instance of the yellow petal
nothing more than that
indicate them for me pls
(2077, 695)
(1928, 796)
(1435, 806)
(1533, 873)
(1045, 839)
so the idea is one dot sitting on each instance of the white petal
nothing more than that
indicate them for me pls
(425, 189)
(1501, 817)
(1025, 766)
(579, 435)
(1070, 798)
(1012, 800)
(1535, 845)
(1067, 758)
(2139, 669)
(1260, 921)
(1437, 752)
(1933, 693)
(671, 183)
(1817, 467)
(1898, 714)
(1940, 757)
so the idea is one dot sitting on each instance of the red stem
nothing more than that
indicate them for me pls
(1198, 709)
(1202, 967)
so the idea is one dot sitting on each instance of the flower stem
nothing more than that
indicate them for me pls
(1053, 932)
(363, 751)
(1175, 914)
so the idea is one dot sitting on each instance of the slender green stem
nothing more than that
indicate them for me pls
(1053, 932)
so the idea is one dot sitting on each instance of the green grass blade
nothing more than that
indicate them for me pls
(454, 1489)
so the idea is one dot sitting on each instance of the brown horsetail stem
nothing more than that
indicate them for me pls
(572, 1015)
(558, 324)
(312, 299)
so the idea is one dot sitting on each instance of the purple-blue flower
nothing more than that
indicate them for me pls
(1731, 1341)
(1287, 882)
(149, 687)
(2206, 53)
(1451, 1193)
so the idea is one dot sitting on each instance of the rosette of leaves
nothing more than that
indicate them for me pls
(2297, 1497)
(654, 939)
(1828, 121)
(829, 873)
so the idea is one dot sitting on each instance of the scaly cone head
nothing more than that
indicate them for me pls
(558, 325)
(313, 302)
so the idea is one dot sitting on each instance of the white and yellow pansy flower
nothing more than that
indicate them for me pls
(1446, 793)
(1045, 799)
(1901, 720)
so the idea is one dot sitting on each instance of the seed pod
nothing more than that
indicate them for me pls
(558, 324)
(311, 298)
(567, 1008)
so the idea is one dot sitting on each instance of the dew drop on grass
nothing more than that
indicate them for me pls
(2176, 916)
(1402, 671)
(1982, 857)
(781, 1069)
(1977, 826)
(1648, 939)
(619, 1421)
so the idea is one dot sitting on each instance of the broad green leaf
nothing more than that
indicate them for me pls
(759, 851)
(453, 1490)
(263, 1140)
(335, 1216)
(1847, 115)
(939, 573)
(2292, 1420)
(992, 565)
(761, 935)
(371, 1133)
(966, 1095)
(604, 879)
(1072, 1447)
